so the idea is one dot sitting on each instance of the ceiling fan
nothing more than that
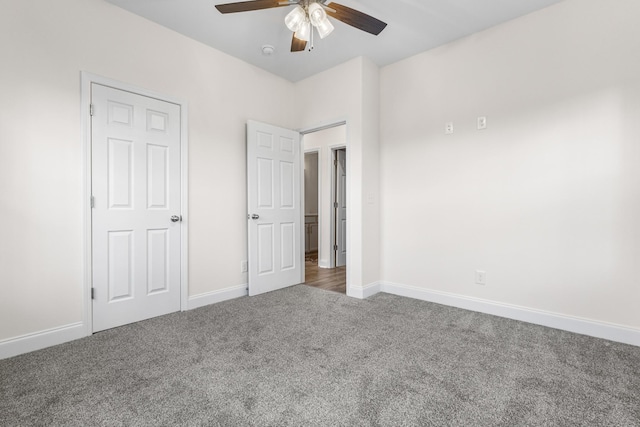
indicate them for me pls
(310, 14)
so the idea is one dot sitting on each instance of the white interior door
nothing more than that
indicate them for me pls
(274, 176)
(135, 185)
(341, 207)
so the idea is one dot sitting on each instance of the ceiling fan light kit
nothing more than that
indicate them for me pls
(301, 18)
(309, 14)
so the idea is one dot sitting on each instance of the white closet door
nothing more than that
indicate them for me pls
(135, 143)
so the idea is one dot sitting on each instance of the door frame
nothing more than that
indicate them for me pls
(86, 80)
(312, 129)
(333, 152)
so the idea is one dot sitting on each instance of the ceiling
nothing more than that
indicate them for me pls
(413, 26)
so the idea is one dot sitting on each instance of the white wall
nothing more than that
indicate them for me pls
(340, 94)
(324, 141)
(370, 190)
(44, 46)
(546, 199)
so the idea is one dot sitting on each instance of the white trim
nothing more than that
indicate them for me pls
(323, 263)
(363, 292)
(301, 239)
(326, 125)
(86, 79)
(184, 205)
(42, 339)
(85, 119)
(332, 210)
(214, 297)
(579, 325)
(333, 171)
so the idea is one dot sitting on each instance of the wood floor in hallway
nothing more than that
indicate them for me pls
(330, 279)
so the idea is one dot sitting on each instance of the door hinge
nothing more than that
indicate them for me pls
(335, 204)
(335, 162)
(93, 293)
(93, 202)
(91, 109)
(335, 247)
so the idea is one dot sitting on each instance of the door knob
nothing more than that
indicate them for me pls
(176, 218)
(255, 216)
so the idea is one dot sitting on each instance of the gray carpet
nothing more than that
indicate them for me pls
(305, 357)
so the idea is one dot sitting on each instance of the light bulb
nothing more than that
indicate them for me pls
(304, 31)
(324, 28)
(317, 14)
(295, 18)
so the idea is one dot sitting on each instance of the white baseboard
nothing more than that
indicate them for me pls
(323, 263)
(578, 325)
(213, 297)
(39, 340)
(363, 292)
(50, 337)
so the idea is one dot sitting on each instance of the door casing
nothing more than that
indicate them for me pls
(86, 80)
(334, 199)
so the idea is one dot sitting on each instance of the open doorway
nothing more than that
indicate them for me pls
(332, 277)
(325, 208)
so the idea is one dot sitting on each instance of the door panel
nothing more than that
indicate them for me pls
(120, 265)
(157, 261)
(120, 173)
(135, 174)
(274, 168)
(157, 176)
(265, 249)
(287, 185)
(265, 183)
(288, 246)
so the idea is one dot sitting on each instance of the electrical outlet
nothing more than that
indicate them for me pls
(482, 123)
(244, 266)
(481, 277)
(448, 128)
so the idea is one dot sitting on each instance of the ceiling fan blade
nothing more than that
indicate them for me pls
(297, 45)
(355, 18)
(245, 6)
